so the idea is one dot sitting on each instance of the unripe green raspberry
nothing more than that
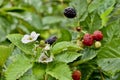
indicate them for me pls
(42, 42)
(97, 44)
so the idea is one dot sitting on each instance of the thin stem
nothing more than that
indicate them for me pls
(46, 76)
(83, 31)
(102, 78)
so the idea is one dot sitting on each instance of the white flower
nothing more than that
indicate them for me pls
(30, 38)
(47, 47)
(45, 59)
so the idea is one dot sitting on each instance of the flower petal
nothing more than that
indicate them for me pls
(25, 39)
(47, 47)
(34, 35)
(45, 59)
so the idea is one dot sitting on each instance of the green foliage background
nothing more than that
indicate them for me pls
(46, 17)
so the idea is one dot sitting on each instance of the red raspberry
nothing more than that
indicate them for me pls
(76, 75)
(88, 39)
(97, 35)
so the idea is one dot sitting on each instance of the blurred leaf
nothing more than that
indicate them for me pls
(110, 50)
(39, 71)
(16, 40)
(30, 18)
(111, 31)
(117, 76)
(18, 67)
(7, 24)
(86, 70)
(104, 16)
(59, 70)
(1, 2)
(109, 57)
(65, 35)
(5, 52)
(87, 54)
(52, 19)
(63, 46)
(14, 9)
(105, 5)
(67, 56)
(28, 77)
(95, 23)
(94, 5)
(37, 4)
(80, 6)
(115, 15)
(92, 22)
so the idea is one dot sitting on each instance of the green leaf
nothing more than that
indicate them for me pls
(18, 67)
(105, 5)
(16, 40)
(109, 57)
(80, 6)
(86, 70)
(110, 50)
(29, 19)
(88, 54)
(6, 26)
(116, 77)
(1, 2)
(14, 9)
(59, 70)
(63, 46)
(111, 31)
(104, 16)
(52, 19)
(37, 4)
(5, 52)
(39, 71)
(115, 13)
(28, 77)
(92, 22)
(65, 35)
(110, 65)
(67, 56)
(94, 5)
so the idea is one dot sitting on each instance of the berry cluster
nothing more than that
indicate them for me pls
(88, 39)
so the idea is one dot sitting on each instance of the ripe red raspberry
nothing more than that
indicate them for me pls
(97, 35)
(76, 75)
(88, 39)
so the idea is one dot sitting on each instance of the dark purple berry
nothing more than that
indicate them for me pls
(51, 40)
(70, 12)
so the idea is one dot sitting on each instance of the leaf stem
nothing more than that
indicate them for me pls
(46, 76)
(102, 78)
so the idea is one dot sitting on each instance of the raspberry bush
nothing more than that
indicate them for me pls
(59, 40)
